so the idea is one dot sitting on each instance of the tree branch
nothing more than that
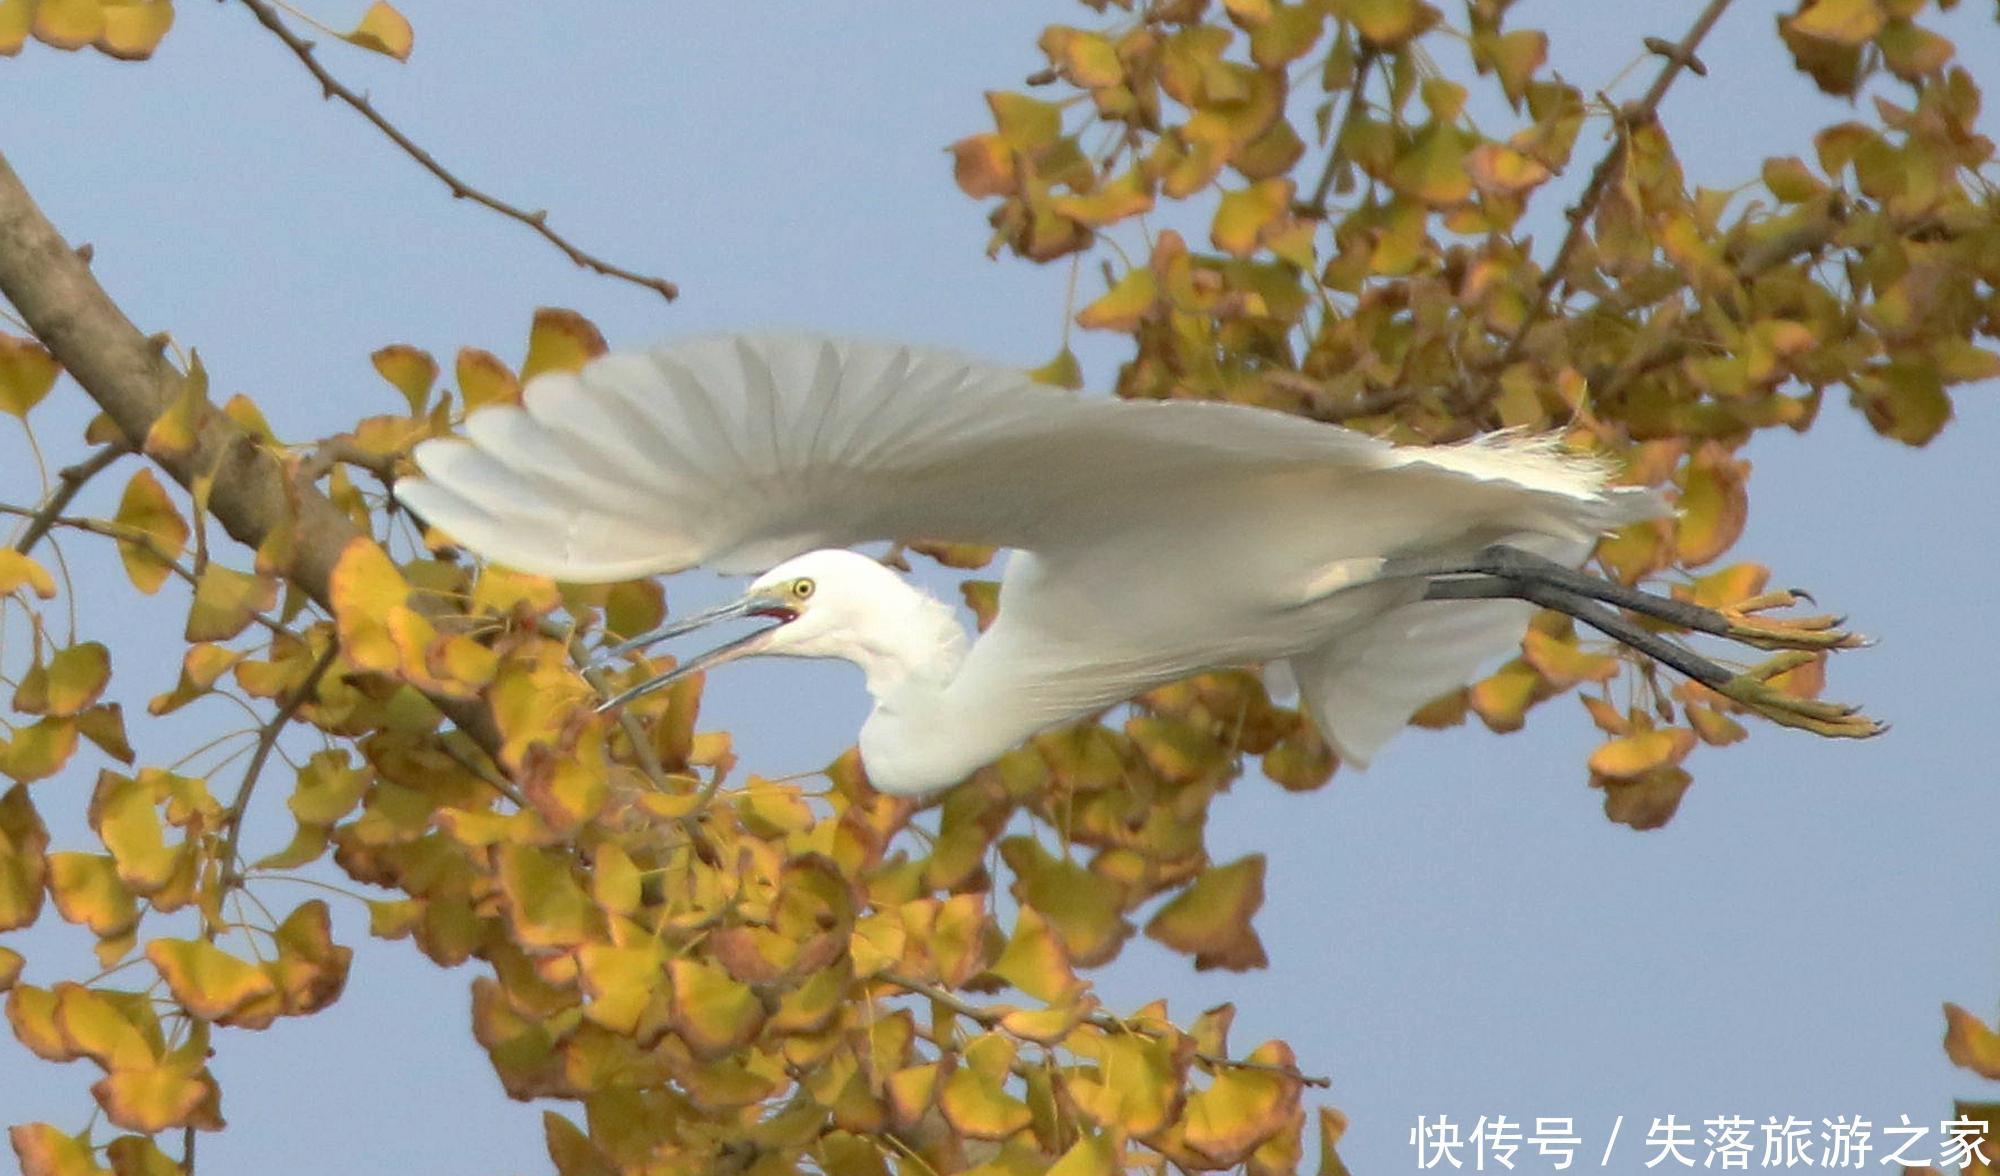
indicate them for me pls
(460, 190)
(71, 480)
(267, 739)
(991, 1018)
(1679, 57)
(126, 374)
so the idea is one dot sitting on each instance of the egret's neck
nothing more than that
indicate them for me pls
(910, 658)
(915, 740)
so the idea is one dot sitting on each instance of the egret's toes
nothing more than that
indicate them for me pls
(1807, 633)
(1832, 719)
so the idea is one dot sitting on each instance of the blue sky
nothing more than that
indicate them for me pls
(1458, 931)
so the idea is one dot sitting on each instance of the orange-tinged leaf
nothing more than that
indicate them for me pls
(1714, 505)
(560, 341)
(11, 962)
(1121, 307)
(174, 1093)
(1242, 1108)
(1502, 700)
(87, 891)
(71, 681)
(24, 843)
(1844, 22)
(983, 165)
(1635, 755)
(484, 380)
(384, 30)
(132, 30)
(1647, 801)
(1715, 728)
(713, 1013)
(620, 981)
(1083, 912)
(207, 981)
(1242, 216)
(146, 509)
(16, 18)
(1092, 1155)
(27, 372)
(367, 589)
(1969, 1043)
(68, 24)
(1125, 195)
(1035, 960)
(225, 600)
(547, 906)
(124, 813)
(412, 371)
(117, 1030)
(137, 1155)
(311, 969)
(18, 571)
(1210, 920)
(1387, 23)
(1496, 167)
(1562, 663)
(38, 750)
(44, 1151)
(1026, 124)
(975, 1100)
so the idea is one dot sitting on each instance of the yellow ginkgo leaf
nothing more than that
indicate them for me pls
(384, 30)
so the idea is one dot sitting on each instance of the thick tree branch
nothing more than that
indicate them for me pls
(126, 374)
(1679, 57)
(460, 190)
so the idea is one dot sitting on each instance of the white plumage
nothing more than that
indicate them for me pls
(1151, 539)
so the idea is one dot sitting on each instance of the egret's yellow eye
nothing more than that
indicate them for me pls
(802, 588)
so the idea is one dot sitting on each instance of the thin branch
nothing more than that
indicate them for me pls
(267, 739)
(123, 533)
(537, 220)
(988, 1018)
(70, 480)
(1638, 114)
(1363, 62)
(126, 374)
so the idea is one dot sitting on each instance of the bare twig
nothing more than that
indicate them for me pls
(1638, 114)
(1315, 205)
(988, 1018)
(70, 480)
(267, 739)
(537, 220)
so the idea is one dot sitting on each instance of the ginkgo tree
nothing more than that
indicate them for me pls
(716, 970)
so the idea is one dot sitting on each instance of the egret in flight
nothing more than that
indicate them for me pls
(1149, 540)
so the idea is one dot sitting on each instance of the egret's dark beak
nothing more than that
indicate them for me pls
(755, 604)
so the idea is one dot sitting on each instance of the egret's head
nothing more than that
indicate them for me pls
(828, 603)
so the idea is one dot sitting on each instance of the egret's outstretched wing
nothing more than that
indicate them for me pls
(738, 451)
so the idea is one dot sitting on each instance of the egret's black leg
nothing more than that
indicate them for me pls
(1654, 645)
(1498, 573)
(1511, 563)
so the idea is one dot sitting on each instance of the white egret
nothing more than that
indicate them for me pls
(1150, 540)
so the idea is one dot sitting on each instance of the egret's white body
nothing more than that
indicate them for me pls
(1150, 540)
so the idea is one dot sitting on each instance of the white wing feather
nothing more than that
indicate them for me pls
(738, 451)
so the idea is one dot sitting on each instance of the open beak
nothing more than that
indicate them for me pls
(752, 605)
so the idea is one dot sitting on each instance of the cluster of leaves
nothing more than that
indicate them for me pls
(762, 976)
(131, 30)
(1366, 264)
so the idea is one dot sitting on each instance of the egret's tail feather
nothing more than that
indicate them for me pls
(1363, 686)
